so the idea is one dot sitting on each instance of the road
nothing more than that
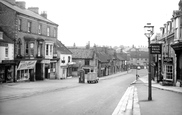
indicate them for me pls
(86, 99)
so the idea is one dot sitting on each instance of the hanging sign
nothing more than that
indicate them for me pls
(155, 48)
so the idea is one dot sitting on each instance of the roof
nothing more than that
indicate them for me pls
(62, 48)
(26, 12)
(103, 57)
(82, 53)
(5, 39)
(120, 56)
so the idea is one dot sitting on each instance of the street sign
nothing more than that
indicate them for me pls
(155, 48)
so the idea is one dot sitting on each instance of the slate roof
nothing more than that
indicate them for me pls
(62, 48)
(5, 39)
(120, 56)
(82, 53)
(26, 12)
(103, 57)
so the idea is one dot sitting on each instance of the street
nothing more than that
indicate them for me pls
(83, 99)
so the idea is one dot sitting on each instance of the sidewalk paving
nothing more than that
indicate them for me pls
(159, 86)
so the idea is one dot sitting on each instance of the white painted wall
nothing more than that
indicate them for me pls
(10, 52)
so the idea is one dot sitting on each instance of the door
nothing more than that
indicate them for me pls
(46, 72)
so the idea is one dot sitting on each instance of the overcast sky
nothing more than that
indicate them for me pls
(105, 22)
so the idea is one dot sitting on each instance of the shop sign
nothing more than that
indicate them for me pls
(155, 48)
(45, 61)
(168, 60)
(26, 65)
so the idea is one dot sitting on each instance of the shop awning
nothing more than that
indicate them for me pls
(26, 65)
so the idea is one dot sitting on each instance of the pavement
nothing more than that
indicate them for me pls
(130, 103)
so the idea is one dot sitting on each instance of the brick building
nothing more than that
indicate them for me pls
(34, 38)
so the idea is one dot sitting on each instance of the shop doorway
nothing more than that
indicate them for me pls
(46, 72)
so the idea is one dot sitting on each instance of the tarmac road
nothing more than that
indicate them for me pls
(84, 99)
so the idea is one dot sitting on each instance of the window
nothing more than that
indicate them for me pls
(51, 49)
(69, 59)
(47, 49)
(55, 32)
(48, 31)
(29, 26)
(87, 62)
(169, 71)
(6, 51)
(40, 29)
(31, 48)
(26, 48)
(19, 46)
(19, 24)
(1, 35)
(39, 49)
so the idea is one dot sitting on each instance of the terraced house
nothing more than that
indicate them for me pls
(171, 40)
(34, 38)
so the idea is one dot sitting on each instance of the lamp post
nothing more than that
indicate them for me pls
(149, 31)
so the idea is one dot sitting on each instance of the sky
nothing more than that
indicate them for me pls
(105, 22)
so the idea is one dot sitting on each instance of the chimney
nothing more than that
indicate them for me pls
(11, 1)
(20, 4)
(44, 14)
(34, 9)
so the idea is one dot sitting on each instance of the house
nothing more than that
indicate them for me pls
(65, 61)
(34, 38)
(170, 70)
(7, 65)
(85, 59)
(138, 57)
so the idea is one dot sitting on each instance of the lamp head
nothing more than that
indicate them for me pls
(148, 30)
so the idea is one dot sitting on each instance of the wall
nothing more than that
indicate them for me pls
(10, 52)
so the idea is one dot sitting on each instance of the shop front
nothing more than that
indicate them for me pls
(26, 71)
(178, 51)
(168, 76)
(7, 71)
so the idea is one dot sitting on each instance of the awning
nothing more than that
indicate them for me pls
(26, 65)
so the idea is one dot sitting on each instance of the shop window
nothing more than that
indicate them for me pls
(169, 71)
(6, 51)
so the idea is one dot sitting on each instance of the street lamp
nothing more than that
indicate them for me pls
(149, 31)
